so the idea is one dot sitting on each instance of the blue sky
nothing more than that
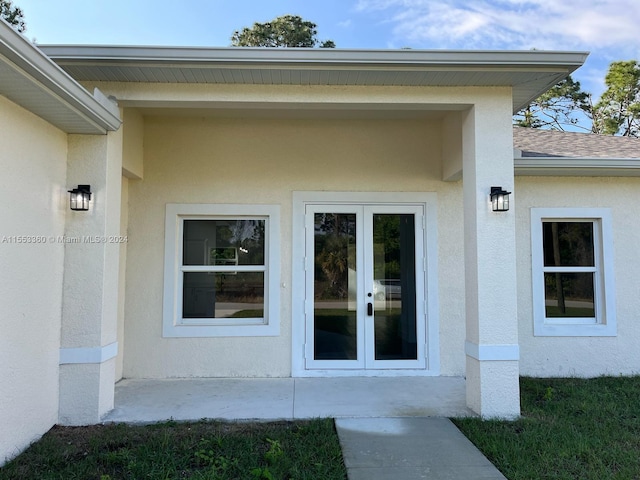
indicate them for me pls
(609, 29)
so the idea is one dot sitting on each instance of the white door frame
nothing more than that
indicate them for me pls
(428, 201)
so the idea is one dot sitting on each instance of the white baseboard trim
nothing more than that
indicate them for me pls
(504, 352)
(88, 354)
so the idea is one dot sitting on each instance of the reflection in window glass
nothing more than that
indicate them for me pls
(569, 295)
(568, 244)
(223, 242)
(394, 287)
(223, 295)
(335, 288)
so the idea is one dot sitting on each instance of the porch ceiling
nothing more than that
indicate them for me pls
(529, 73)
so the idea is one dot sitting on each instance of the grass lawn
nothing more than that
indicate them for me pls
(200, 450)
(587, 429)
(570, 429)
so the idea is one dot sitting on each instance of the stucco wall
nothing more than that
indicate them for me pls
(243, 160)
(582, 356)
(124, 212)
(33, 193)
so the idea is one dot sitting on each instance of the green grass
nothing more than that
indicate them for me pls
(201, 450)
(570, 429)
(587, 429)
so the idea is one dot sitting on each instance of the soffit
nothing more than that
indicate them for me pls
(529, 73)
(29, 79)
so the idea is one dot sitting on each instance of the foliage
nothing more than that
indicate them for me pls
(333, 260)
(284, 31)
(13, 15)
(618, 110)
(334, 254)
(555, 109)
(570, 428)
(304, 450)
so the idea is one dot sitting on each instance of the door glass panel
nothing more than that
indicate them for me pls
(335, 322)
(394, 289)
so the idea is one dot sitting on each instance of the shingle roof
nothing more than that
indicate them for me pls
(534, 142)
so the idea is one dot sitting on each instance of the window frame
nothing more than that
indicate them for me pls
(604, 323)
(174, 325)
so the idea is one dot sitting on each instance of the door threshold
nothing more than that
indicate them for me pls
(366, 373)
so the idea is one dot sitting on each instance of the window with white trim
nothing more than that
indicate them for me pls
(222, 269)
(573, 284)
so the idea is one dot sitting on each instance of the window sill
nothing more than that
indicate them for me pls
(574, 330)
(207, 331)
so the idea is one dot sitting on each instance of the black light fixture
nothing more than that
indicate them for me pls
(499, 199)
(79, 197)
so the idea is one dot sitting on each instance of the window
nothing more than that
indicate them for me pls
(221, 270)
(573, 285)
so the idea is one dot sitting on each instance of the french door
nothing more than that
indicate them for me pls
(364, 287)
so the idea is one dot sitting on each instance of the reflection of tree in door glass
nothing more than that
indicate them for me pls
(335, 331)
(335, 253)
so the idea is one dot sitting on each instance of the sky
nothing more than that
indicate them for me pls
(609, 29)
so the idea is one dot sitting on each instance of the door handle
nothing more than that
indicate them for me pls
(369, 308)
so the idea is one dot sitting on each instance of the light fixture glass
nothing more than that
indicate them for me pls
(499, 199)
(79, 198)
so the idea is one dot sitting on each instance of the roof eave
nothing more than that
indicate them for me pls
(556, 65)
(317, 56)
(29, 72)
(589, 167)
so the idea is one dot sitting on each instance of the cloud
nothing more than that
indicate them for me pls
(345, 23)
(512, 24)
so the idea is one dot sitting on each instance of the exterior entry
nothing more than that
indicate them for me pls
(365, 286)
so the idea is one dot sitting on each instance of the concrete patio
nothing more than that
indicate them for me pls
(288, 398)
(380, 420)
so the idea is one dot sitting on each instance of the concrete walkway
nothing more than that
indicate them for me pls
(389, 427)
(409, 449)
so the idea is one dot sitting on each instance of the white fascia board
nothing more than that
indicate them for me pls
(500, 59)
(39, 72)
(590, 167)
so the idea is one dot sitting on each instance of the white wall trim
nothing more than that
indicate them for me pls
(506, 352)
(88, 354)
(604, 325)
(173, 325)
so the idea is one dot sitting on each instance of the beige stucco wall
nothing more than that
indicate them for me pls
(33, 192)
(261, 160)
(582, 356)
(124, 220)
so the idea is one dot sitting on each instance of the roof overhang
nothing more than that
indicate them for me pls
(31, 80)
(528, 73)
(582, 167)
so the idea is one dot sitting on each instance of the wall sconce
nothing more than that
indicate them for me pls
(499, 199)
(79, 197)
